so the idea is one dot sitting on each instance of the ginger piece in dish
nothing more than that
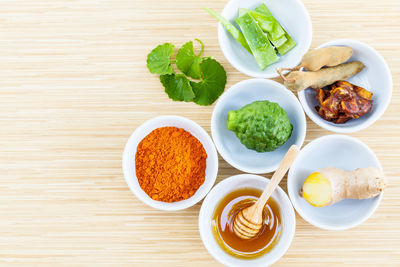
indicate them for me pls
(330, 185)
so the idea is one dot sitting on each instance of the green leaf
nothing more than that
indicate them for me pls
(212, 83)
(177, 86)
(159, 59)
(188, 62)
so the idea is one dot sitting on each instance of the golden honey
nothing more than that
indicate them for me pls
(224, 216)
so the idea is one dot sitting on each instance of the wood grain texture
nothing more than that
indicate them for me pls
(74, 86)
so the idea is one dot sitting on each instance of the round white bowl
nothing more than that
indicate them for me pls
(129, 169)
(241, 94)
(288, 220)
(339, 151)
(375, 77)
(293, 17)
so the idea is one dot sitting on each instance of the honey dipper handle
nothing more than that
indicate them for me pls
(276, 178)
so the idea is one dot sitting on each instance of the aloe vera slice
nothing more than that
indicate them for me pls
(278, 42)
(287, 46)
(258, 42)
(289, 43)
(231, 28)
(267, 23)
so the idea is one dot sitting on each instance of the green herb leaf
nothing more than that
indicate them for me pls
(187, 61)
(177, 86)
(159, 59)
(212, 83)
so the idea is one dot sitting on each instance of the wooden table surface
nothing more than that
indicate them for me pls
(74, 85)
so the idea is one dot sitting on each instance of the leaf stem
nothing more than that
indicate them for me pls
(202, 47)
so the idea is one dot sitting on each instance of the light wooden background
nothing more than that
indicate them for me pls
(74, 86)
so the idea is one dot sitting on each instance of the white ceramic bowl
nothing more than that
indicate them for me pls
(293, 17)
(128, 161)
(233, 183)
(241, 94)
(375, 77)
(339, 151)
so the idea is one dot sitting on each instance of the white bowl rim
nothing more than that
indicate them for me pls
(344, 226)
(179, 205)
(291, 213)
(244, 70)
(355, 128)
(221, 149)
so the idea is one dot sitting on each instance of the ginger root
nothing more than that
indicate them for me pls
(330, 185)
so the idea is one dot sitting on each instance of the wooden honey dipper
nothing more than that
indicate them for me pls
(249, 221)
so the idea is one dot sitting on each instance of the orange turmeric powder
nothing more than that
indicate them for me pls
(170, 164)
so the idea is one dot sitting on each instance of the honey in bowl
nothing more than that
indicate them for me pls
(224, 217)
